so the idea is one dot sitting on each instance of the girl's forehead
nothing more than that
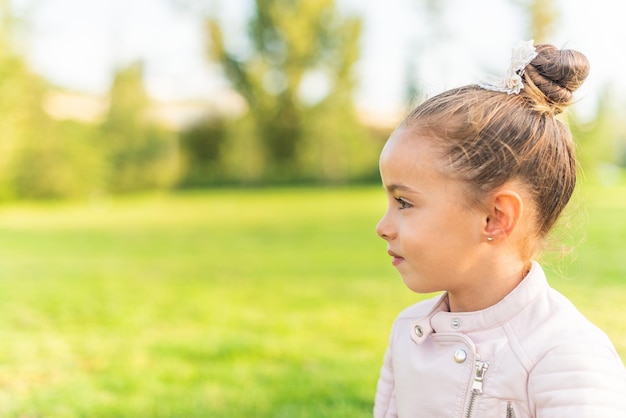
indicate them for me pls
(404, 144)
(406, 158)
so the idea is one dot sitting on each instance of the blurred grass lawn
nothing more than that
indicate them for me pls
(266, 303)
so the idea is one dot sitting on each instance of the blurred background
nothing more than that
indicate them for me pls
(189, 189)
(171, 94)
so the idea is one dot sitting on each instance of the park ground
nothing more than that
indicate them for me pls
(234, 303)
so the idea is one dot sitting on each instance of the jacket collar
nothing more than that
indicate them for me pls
(440, 320)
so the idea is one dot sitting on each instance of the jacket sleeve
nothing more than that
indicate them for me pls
(580, 381)
(385, 403)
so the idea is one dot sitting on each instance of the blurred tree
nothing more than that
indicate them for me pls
(299, 59)
(60, 161)
(36, 158)
(432, 33)
(201, 147)
(543, 16)
(20, 98)
(141, 155)
(599, 138)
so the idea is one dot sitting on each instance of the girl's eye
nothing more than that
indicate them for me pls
(403, 203)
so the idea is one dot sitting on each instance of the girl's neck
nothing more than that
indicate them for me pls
(489, 287)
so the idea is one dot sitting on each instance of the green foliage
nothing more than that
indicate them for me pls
(62, 162)
(202, 153)
(45, 158)
(22, 117)
(260, 303)
(296, 77)
(140, 154)
(599, 139)
(543, 16)
(40, 158)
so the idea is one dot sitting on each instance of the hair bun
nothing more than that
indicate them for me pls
(557, 74)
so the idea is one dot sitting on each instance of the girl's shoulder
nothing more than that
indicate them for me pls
(551, 323)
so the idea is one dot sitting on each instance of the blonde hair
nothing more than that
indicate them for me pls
(488, 138)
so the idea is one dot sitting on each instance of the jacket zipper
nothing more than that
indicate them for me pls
(510, 412)
(477, 385)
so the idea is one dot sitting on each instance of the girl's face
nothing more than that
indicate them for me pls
(435, 237)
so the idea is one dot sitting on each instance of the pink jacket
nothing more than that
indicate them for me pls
(530, 355)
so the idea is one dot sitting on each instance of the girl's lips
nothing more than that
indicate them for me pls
(396, 258)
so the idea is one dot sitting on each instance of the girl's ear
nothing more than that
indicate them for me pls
(505, 211)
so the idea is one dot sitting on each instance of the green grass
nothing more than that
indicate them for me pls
(265, 303)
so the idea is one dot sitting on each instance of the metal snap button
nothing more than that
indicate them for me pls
(418, 331)
(460, 356)
(456, 323)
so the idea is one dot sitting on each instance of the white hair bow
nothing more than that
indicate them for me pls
(512, 83)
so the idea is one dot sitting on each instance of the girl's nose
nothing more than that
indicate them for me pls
(384, 229)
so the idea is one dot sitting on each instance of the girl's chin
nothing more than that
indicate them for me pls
(415, 284)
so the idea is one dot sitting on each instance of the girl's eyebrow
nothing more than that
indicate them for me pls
(395, 187)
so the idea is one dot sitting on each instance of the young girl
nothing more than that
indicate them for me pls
(476, 177)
